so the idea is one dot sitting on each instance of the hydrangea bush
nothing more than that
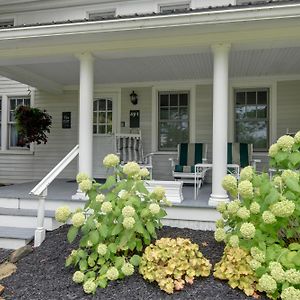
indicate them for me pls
(261, 225)
(172, 263)
(120, 217)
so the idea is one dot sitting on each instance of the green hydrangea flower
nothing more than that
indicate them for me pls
(257, 254)
(111, 160)
(268, 217)
(106, 207)
(245, 189)
(254, 208)
(229, 184)
(243, 213)
(62, 214)
(247, 230)
(127, 269)
(158, 193)
(131, 169)
(277, 180)
(277, 271)
(273, 150)
(292, 276)
(234, 241)
(78, 277)
(233, 206)
(254, 264)
(247, 173)
(220, 234)
(123, 194)
(285, 143)
(100, 198)
(82, 176)
(283, 209)
(154, 208)
(221, 207)
(112, 273)
(144, 172)
(267, 284)
(102, 249)
(85, 185)
(289, 173)
(128, 222)
(297, 137)
(290, 293)
(89, 286)
(128, 211)
(78, 219)
(220, 223)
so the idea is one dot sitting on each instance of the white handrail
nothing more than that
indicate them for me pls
(40, 190)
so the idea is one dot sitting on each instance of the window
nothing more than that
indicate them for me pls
(102, 116)
(102, 15)
(0, 120)
(14, 138)
(6, 23)
(173, 127)
(174, 8)
(252, 117)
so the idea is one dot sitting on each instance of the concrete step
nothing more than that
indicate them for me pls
(14, 238)
(26, 218)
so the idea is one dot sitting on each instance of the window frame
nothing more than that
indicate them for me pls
(97, 98)
(159, 121)
(268, 119)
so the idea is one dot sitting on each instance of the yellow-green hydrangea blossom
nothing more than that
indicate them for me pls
(273, 150)
(254, 208)
(128, 211)
(78, 219)
(247, 173)
(100, 198)
(233, 206)
(144, 172)
(297, 137)
(85, 185)
(292, 276)
(102, 249)
(277, 181)
(127, 269)
(229, 184)
(234, 241)
(131, 169)
(268, 217)
(267, 284)
(254, 264)
(289, 173)
(220, 223)
(247, 230)
(78, 277)
(277, 271)
(82, 176)
(106, 207)
(112, 273)
(111, 160)
(243, 213)
(245, 189)
(257, 254)
(220, 234)
(290, 293)
(221, 207)
(158, 193)
(283, 208)
(154, 208)
(89, 286)
(285, 143)
(62, 214)
(128, 222)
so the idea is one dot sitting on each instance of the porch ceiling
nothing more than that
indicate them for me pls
(243, 63)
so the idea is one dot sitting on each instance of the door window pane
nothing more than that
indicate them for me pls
(102, 116)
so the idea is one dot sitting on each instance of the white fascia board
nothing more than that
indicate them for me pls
(151, 22)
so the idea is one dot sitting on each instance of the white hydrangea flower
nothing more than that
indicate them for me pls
(289, 173)
(220, 234)
(82, 176)
(247, 173)
(220, 223)
(283, 209)
(128, 211)
(131, 169)
(229, 184)
(221, 207)
(123, 194)
(247, 230)
(234, 241)
(258, 254)
(102, 249)
(89, 286)
(254, 264)
(277, 271)
(243, 213)
(85, 185)
(292, 276)
(158, 193)
(106, 207)
(268, 217)
(144, 172)
(127, 269)
(273, 150)
(245, 189)
(112, 273)
(290, 293)
(254, 208)
(100, 198)
(233, 206)
(297, 137)
(154, 208)
(128, 222)
(111, 160)
(62, 214)
(89, 244)
(267, 283)
(78, 277)
(78, 219)
(277, 181)
(285, 143)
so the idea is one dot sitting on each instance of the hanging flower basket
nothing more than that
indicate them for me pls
(32, 124)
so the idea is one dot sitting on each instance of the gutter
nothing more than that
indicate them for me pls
(225, 16)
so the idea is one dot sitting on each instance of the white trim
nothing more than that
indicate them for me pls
(4, 120)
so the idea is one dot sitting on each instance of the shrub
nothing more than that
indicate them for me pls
(264, 224)
(172, 263)
(119, 219)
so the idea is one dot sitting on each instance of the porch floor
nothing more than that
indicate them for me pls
(62, 189)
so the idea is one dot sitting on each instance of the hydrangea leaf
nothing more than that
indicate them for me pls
(112, 247)
(83, 265)
(72, 233)
(135, 260)
(102, 283)
(293, 184)
(117, 229)
(103, 230)
(94, 237)
(150, 227)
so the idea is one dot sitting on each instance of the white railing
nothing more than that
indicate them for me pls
(40, 190)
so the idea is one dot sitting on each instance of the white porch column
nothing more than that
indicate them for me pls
(86, 91)
(220, 122)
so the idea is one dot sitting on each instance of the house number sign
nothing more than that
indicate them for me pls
(134, 119)
(66, 119)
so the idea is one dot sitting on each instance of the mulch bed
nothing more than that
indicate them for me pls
(42, 275)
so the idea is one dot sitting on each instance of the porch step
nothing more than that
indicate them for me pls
(14, 238)
(26, 218)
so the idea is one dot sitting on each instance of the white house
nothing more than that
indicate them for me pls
(237, 62)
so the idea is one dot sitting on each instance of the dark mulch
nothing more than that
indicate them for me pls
(4, 253)
(42, 275)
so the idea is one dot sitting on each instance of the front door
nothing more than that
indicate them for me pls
(104, 125)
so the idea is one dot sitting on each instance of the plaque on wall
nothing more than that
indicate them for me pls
(66, 119)
(134, 119)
